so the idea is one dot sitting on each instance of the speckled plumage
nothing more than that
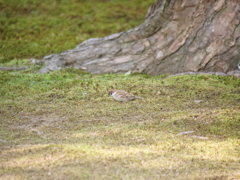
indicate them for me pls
(120, 95)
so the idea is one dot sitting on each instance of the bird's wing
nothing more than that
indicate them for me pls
(125, 94)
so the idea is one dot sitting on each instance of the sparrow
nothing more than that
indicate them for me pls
(120, 95)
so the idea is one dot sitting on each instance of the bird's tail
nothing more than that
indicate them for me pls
(139, 97)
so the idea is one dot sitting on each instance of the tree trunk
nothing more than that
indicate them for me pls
(177, 36)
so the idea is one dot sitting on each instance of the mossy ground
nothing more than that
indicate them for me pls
(63, 125)
(33, 28)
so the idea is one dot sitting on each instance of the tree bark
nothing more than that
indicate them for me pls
(177, 36)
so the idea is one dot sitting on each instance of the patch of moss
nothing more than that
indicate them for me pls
(33, 29)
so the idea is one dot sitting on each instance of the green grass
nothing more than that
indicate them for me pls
(33, 29)
(63, 125)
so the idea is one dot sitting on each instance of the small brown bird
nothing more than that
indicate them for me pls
(120, 95)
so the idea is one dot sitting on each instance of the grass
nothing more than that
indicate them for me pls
(33, 29)
(63, 125)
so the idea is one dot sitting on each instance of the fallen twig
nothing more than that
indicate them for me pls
(185, 132)
(38, 132)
